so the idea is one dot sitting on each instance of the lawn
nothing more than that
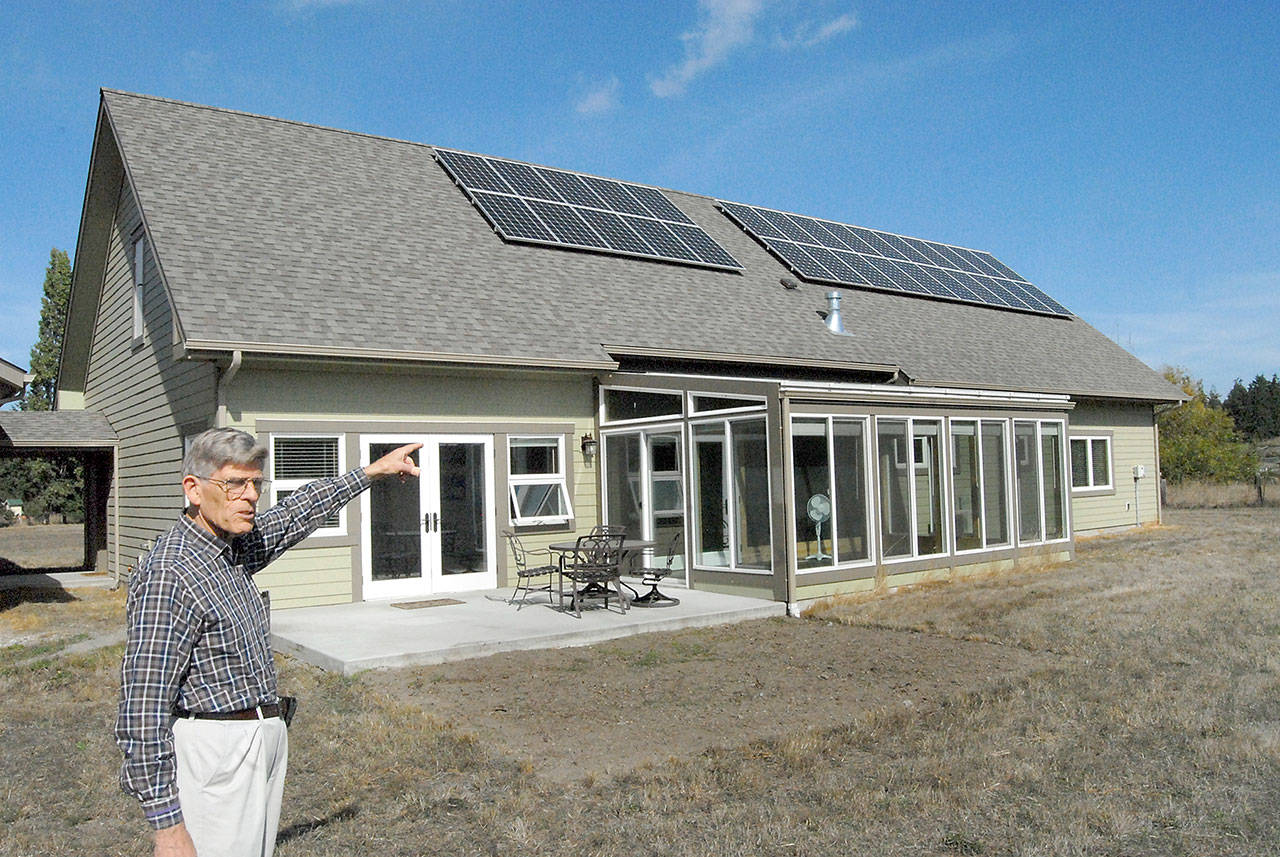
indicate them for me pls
(1127, 703)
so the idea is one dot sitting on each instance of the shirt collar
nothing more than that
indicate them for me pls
(192, 530)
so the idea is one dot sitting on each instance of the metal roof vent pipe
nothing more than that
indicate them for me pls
(834, 322)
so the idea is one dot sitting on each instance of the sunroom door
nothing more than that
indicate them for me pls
(436, 533)
(644, 491)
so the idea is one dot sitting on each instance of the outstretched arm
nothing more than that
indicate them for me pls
(397, 461)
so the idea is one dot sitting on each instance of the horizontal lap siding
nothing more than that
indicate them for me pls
(308, 578)
(1132, 430)
(144, 393)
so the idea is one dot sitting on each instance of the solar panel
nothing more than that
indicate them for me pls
(829, 252)
(541, 205)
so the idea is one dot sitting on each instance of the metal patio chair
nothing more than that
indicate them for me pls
(652, 575)
(593, 565)
(527, 568)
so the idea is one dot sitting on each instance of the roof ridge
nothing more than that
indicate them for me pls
(250, 115)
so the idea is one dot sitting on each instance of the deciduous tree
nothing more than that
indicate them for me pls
(1201, 442)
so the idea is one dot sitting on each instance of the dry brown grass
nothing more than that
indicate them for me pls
(1152, 728)
(1193, 494)
(41, 547)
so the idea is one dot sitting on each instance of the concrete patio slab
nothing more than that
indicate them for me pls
(348, 638)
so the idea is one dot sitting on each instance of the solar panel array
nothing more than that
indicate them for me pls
(830, 252)
(539, 205)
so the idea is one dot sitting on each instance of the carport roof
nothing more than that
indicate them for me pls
(56, 430)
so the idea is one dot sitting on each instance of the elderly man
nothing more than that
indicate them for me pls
(199, 721)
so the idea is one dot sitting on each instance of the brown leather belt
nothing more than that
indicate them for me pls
(260, 712)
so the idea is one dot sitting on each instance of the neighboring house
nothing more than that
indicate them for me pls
(14, 506)
(337, 294)
(13, 379)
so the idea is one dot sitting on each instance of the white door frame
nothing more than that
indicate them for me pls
(431, 580)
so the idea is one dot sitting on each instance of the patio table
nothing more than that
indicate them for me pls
(628, 546)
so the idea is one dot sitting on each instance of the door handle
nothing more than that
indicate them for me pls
(435, 522)
(431, 522)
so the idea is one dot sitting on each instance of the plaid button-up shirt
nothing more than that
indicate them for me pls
(199, 633)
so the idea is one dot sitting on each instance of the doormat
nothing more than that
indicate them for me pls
(434, 602)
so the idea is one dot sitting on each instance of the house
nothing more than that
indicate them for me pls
(13, 380)
(788, 406)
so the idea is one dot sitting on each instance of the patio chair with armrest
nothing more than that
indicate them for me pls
(653, 574)
(593, 565)
(527, 568)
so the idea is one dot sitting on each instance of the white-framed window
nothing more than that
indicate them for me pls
(1090, 462)
(536, 480)
(139, 254)
(1040, 480)
(911, 491)
(831, 478)
(297, 459)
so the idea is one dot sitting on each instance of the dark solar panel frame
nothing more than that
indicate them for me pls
(829, 252)
(542, 205)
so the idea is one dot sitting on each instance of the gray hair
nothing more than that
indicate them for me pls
(218, 447)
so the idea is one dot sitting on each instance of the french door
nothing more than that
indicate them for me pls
(435, 533)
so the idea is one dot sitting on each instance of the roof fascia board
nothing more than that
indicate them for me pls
(809, 391)
(96, 213)
(179, 334)
(754, 359)
(1114, 395)
(205, 349)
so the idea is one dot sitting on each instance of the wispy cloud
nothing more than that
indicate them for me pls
(601, 99)
(725, 26)
(1225, 332)
(311, 5)
(811, 33)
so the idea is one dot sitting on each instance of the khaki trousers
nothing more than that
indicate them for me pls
(230, 783)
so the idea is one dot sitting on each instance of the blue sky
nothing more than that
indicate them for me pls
(1125, 157)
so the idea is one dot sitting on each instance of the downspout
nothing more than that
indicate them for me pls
(224, 380)
(115, 504)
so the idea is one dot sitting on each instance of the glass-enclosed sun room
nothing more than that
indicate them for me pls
(794, 490)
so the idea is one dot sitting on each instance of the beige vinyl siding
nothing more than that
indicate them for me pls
(350, 402)
(308, 578)
(145, 394)
(1132, 431)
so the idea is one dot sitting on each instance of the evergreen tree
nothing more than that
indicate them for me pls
(47, 351)
(1200, 442)
(1256, 408)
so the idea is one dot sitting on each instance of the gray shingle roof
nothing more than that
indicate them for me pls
(347, 243)
(55, 429)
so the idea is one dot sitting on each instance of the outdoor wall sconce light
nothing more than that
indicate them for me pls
(590, 446)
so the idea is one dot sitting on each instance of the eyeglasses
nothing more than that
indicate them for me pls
(235, 488)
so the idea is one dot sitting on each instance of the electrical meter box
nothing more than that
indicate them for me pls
(1139, 471)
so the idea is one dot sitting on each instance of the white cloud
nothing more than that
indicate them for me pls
(810, 34)
(726, 25)
(309, 5)
(601, 99)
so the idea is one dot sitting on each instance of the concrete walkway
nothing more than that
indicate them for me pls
(348, 638)
(57, 580)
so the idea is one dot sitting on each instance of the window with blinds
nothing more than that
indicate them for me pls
(297, 460)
